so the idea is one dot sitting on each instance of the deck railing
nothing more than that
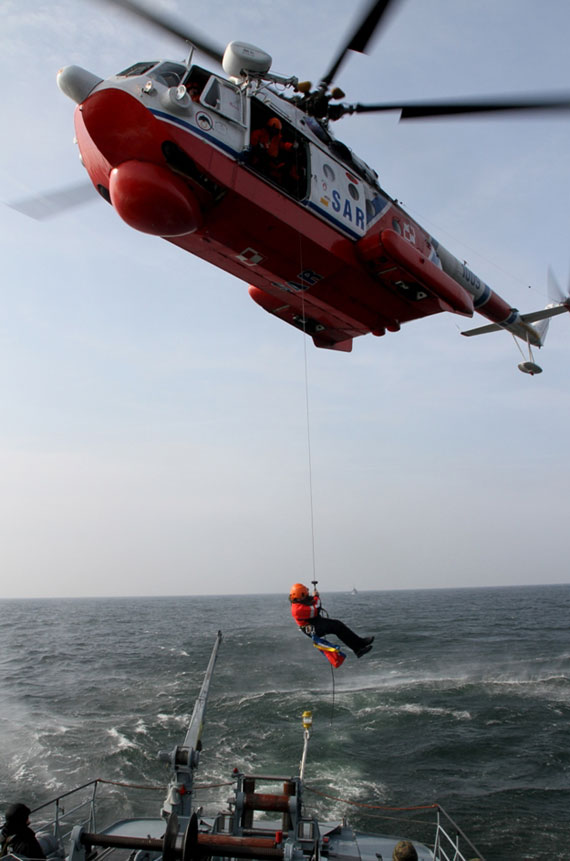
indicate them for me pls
(429, 824)
(451, 846)
(84, 805)
(59, 816)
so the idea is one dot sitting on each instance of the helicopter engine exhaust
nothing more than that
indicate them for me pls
(150, 198)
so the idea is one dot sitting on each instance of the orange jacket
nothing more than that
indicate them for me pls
(273, 144)
(303, 613)
(270, 143)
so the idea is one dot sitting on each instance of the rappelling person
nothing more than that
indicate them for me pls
(311, 618)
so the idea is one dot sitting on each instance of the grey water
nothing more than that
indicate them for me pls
(464, 700)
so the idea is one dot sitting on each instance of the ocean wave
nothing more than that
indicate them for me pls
(530, 680)
(433, 711)
(173, 722)
(55, 729)
(547, 689)
(122, 742)
(175, 650)
(417, 709)
(26, 773)
(346, 786)
(293, 699)
(475, 677)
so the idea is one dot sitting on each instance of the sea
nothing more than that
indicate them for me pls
(464, 700)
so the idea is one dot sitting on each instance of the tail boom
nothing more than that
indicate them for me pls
(490, 305)
(522, 326)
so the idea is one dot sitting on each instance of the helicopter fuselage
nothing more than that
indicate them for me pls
(201, 161)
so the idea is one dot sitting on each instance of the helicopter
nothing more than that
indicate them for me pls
(244, 171)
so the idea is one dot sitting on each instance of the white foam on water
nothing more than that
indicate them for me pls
(122, 742)
(344, 787)
(170, 720)
(415, 708)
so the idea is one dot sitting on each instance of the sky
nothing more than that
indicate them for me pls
(160, 434)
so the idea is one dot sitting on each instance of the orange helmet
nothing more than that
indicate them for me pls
(274, 123)
(298, 592)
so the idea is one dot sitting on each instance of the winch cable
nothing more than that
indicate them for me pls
(314, 581)
(324, 613)
(308, 420)
(299, 173)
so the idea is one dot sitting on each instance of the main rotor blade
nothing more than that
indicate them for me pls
(359, 40)
(168, 25)
(55, 202)
(427, 110)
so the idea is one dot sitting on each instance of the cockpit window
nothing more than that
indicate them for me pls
(169, 74)
(136, 69)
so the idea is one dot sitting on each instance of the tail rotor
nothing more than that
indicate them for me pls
(559, 302)
(555, 291)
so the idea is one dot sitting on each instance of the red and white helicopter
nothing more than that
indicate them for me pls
(244, 171)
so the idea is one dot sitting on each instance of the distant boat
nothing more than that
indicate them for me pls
(354, 591)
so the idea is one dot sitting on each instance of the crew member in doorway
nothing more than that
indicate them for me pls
(268, 139)
(270, 153)
(310, 617)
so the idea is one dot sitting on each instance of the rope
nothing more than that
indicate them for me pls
(309, 458)
(160, 788)
(306, 369)
(308, 420)
(131, 785)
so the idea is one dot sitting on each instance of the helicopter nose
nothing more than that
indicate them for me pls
(76, 82)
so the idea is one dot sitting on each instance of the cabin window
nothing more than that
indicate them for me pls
(353, 191)
(328, 172)
(277, 150)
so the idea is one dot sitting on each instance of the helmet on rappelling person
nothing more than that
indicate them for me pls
(298, 593)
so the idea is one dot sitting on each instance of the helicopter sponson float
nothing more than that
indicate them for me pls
(243, 170)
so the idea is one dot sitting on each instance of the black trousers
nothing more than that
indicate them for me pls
(323, 626)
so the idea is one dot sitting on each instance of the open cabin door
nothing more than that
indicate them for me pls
(278, 151)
